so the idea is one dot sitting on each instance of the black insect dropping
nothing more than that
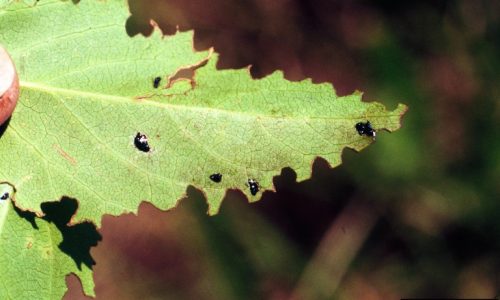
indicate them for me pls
(156, 82)
(254, 186)
(5, 196)
(141, 142)
(216, 177)
(365, 129)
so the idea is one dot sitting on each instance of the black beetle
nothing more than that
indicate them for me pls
(141, 142)
(156, 82)
(365, 129)
(254, 186)
(216, 177)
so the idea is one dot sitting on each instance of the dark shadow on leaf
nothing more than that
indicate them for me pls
(78, 238)
(4, 127)
(27, 215)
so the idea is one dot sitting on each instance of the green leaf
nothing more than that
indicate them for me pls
(86, 90)
(31, 264)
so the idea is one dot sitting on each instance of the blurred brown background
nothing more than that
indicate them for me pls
(417, 214)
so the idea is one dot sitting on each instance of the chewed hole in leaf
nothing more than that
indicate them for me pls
(186, 74)
(29, 216)
(77, 238)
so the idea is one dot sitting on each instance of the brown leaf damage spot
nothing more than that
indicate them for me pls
(64, 154)
(187, 73)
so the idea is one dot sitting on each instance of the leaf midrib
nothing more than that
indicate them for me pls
(163, 105)
(121, 99)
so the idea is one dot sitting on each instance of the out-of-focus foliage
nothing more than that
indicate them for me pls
(427, 196)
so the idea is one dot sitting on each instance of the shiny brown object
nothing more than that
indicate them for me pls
(9, 86)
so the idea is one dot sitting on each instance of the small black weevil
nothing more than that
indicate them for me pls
(365, 129)
(217, 177)
(254, 186)
(156, 82)
(141, 142)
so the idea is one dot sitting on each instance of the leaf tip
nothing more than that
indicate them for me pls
(401, 110)
(358, 93)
